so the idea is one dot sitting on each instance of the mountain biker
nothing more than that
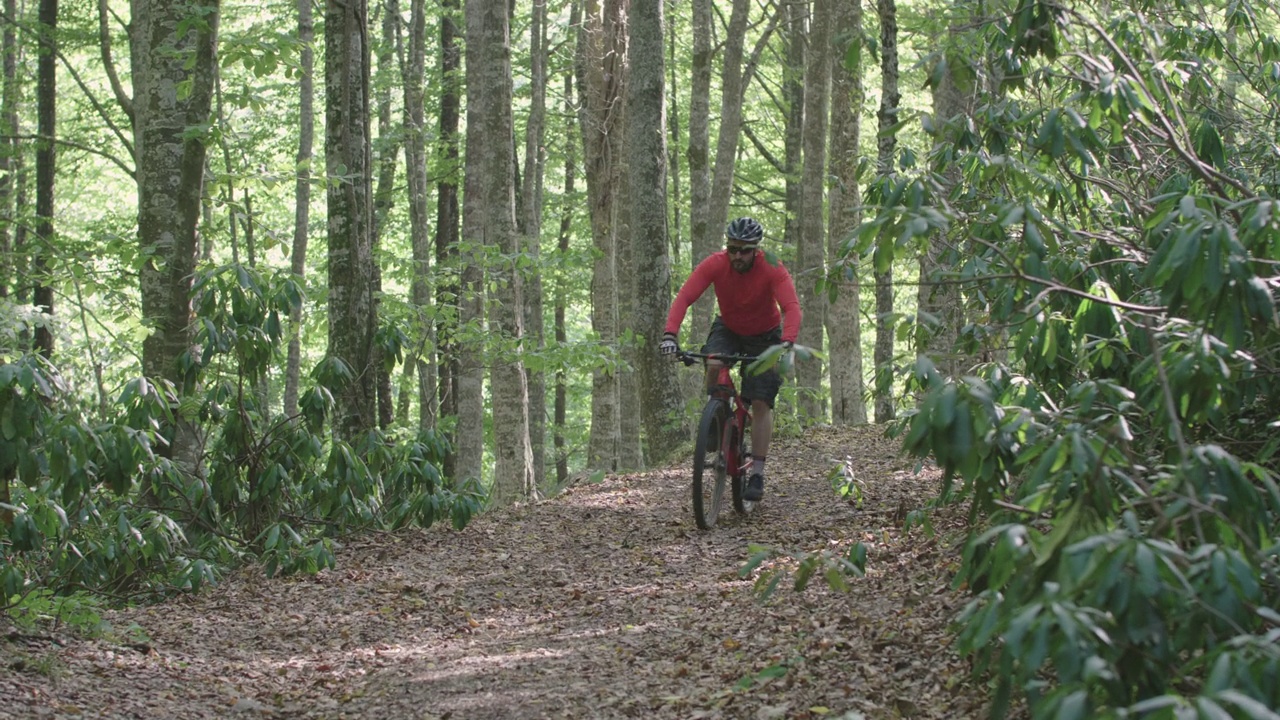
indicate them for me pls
(749, 292)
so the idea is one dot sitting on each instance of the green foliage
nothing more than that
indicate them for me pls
(1117, 205)
(99, 507)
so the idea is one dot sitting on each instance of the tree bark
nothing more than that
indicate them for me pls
(661, 398)
(46, 166)
(562, 291)
(601, 77)
(449, 289)
(301, 198)
(489, 219)
(352, 312)
(889, 101)
(531, 232)
(390, 139)
(170, 179)
(415, 160)
(811, 252)
(704, 238)
(793, 141)
(9, 147)
(844, 329)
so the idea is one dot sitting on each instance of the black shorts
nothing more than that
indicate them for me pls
(722, 340)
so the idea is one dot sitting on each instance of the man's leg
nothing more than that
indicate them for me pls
(761, 428)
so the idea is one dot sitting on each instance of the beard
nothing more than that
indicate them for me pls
(741, 265)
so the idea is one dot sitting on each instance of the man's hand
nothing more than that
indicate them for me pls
(668, 346)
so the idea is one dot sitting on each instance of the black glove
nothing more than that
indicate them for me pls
(668, 346)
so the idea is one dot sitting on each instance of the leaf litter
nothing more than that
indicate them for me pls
(603, 602)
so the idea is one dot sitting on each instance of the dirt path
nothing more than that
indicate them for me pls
(605, 602)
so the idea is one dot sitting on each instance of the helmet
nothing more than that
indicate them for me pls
(745, 230)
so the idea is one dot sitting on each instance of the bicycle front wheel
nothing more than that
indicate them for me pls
(709, 463)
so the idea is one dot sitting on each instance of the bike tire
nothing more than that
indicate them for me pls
(709, 469)
(742, 472)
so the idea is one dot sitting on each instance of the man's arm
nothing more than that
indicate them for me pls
(696, 284)
(784, 291)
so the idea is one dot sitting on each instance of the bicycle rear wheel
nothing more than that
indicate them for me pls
(742, 472)
(709, 468)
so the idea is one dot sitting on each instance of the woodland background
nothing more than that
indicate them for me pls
(271, 274)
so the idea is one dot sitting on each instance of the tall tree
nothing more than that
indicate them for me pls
(811, 253)
(415, 157)
(387, 149)
(301, 197)
(939, 304)
(561, 411)
(488, 216)
(703, 237)
(796, 37)
(170, 177)
(352, 309)
(530, 221)
(46, 166)
(9, 160)
(449, 302)
(660, 394)
(890, 99)
(844, 328)
(601, 69)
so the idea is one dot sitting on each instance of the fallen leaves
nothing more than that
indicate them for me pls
(603, 602)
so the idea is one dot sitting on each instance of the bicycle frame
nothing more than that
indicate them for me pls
(727, 390)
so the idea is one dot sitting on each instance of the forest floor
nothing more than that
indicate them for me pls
(603, 602)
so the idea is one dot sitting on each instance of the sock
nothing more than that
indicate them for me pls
(757, 467)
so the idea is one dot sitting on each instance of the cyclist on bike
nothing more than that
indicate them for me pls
(749, 292)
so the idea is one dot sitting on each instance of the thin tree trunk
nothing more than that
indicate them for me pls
(602, 69)
(661, 398)
(46, 159)
(352, 311)
(449, 289)
(812, 250)
(415, 158)
(844, 329)
(531, 230)
(384, 195)
(301, 198)
(630, 424)
(9, 147)
(489, 219)
(793, 141)
(889, 100)
(675, 239)
(704, 239)
(562, 292)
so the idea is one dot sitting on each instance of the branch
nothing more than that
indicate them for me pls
(77, 146)
(104, 43)
(102, 112)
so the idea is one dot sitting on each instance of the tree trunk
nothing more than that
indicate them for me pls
(170, 177)
(352, 311)
(674, 237)
(302, 198)
(489, 219)
(46, 159)
(602, 70)
(562, 291)
(812, 250)
(388, 151)
(939, 305)
(531, 231)
(9, 147)
(844, 330)
(630, 423)
(793, 142)
(415, 160)
(704, 227)
(661, 398)
(889, 99)
(449, 289)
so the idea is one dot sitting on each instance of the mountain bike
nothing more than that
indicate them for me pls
(722, 449)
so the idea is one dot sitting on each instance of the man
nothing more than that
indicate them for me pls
(749, 293)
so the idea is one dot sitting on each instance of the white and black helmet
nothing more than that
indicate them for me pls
(745, 230)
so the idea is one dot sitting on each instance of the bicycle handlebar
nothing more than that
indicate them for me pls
(689, 357)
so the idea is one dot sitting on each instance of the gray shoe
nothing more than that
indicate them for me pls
(755, 488)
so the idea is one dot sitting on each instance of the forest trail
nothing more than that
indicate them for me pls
(604, 602)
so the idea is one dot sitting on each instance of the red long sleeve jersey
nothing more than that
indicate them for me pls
(749, 301)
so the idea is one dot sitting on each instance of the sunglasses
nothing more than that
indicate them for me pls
(740, 249)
